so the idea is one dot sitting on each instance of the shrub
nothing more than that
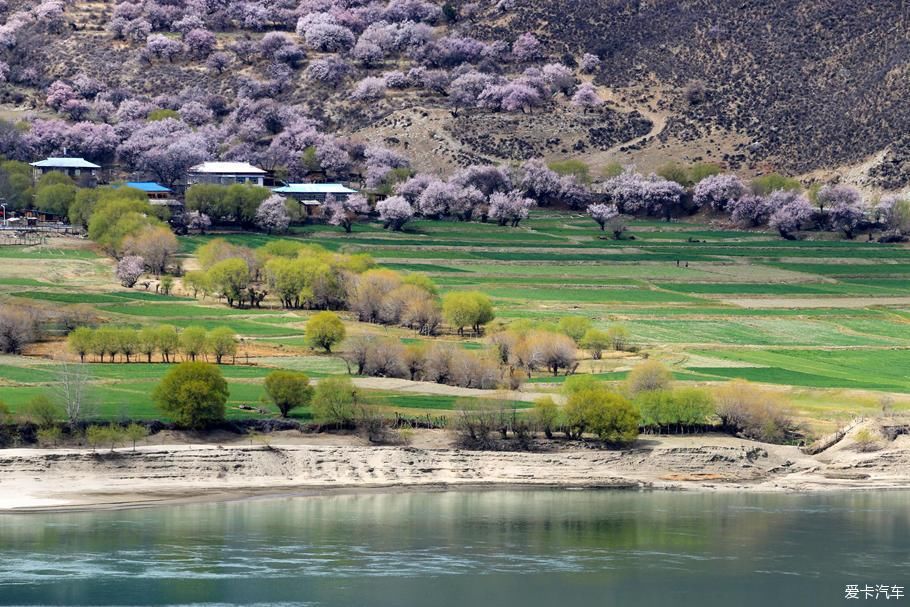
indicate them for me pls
(753, 412)
(575, 327)
(288, 390)
(42, 411)
(608, 415)
(50, 435)
(865, 441)
(649, 375)
(334, 400)
(193, 393)
(546, 414)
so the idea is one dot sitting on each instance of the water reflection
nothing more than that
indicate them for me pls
(526, 547)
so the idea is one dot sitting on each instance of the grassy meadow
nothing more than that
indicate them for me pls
(826, 320)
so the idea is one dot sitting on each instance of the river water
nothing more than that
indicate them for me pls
(502, 548)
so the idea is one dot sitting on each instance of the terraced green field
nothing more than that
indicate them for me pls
(715, 303)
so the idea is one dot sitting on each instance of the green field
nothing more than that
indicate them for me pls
(715, 304)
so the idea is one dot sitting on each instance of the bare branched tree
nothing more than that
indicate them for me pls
(72, 390)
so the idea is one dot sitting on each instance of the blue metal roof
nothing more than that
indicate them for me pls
(314, 188)
(150, 187)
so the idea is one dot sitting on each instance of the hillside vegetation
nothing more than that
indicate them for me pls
(797, 86)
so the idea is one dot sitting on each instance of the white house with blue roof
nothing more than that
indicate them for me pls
(313, 195)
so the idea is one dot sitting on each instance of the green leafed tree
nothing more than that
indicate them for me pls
(288, 390)
(194, 394)
(325, 330)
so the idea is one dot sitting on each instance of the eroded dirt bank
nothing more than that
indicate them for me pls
(71, 478)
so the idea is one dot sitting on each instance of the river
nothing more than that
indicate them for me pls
(503, 548)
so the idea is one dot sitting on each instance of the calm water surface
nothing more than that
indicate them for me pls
(503, 548)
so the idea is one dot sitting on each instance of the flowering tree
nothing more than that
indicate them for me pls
(198, 221)
(526, 48)
(437, 198)
(332, 157)
(572, 193)
(652, 195)
(330, 71)
(345, 212)
(831, 195)
(467, 201)
(411, 189)
(219, 61)
(395, 212)
(625, 190)
(719, 191)
(200, 42)
(540, 182)
(129, 269)
(602, 213)
(321, 32)
(847, 215)
(589, 63)
(511, 97)
(586, 97)
(485, 177)
(164, 47)
(559, 78)
(371, 88)
(750, 210)
(380, 162)
(509, 208)
(272, 215)
(466, 89)
(791, 213)
(58, 94)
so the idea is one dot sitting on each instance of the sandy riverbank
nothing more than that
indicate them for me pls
(54, 479)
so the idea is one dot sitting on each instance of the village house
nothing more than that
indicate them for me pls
(80, 169)
(313, 195)
(226, 173)
(158, 195)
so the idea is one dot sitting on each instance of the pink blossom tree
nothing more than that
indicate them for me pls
(436, 199)
(589, 63)
(198, 221)
(330, 71)
(527, 48)
(509, 208)
(791, 212)
(129, 269)
(371, 88)
(719, 191)
(750, 210)
(164, 47)
(586, 97)
(272, 215)
(540, 182)
(345, 212)
(321, 32)
(200, 42)
(847, 215)
(411, 189)
(602, 213)
(467, 201)
(58, 94)
(832, 195)
(395, 212)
